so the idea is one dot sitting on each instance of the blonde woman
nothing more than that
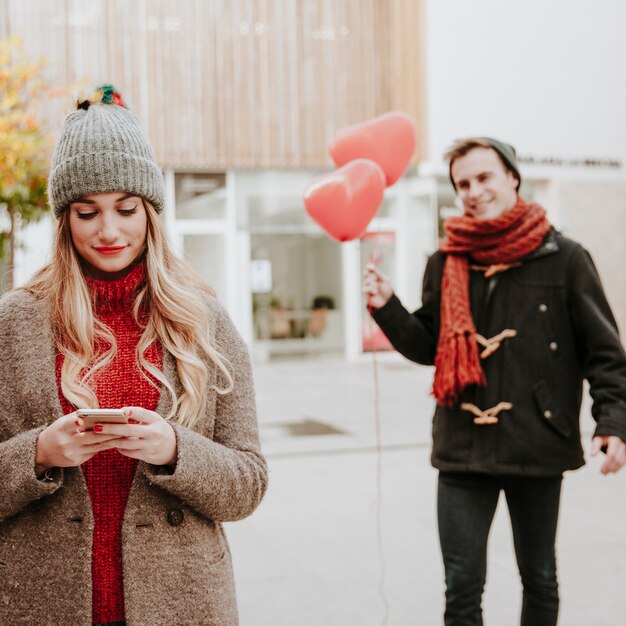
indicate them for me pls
(119, 523)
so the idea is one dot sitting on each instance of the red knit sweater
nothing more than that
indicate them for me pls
(109, 474)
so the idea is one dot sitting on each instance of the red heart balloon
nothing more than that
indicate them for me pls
(344, 202)
(389, 140)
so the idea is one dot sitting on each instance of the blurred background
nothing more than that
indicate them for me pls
(240, 99)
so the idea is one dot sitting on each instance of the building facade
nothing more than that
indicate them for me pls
(241, 98)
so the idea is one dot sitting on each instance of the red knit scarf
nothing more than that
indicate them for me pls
(506, 239)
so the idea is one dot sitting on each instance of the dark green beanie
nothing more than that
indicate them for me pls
(507, 154)
(102, 148)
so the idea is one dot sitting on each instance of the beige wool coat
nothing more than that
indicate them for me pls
(176, 561)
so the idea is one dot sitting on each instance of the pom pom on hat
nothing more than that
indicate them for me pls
(105, 94)
(102, 148)
(110, 95)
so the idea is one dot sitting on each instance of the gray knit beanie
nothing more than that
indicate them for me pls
(102, 148)
(507, 154)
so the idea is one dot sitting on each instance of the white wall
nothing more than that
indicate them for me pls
(206, 255)
(34, 249)
(549, 76)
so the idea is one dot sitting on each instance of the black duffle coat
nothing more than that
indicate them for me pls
(566, 333)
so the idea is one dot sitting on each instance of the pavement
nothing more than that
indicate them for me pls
(346, 535)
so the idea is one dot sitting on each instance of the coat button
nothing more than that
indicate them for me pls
(547, 414)
(175, 517)
(554, 346)
(543, 308)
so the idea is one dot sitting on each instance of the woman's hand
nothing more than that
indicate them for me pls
(147, 437)
(64, 444)
(376, 287)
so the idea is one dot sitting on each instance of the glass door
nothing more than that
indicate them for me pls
(296, 293)
(295, 269)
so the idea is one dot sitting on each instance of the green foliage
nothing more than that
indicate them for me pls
(24, 147)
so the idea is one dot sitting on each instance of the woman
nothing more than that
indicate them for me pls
(120, 524)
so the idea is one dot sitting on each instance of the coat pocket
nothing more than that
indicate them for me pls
(549, 412)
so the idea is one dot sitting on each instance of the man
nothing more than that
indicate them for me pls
(514, 318)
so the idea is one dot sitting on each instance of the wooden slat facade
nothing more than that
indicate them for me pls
(236, 83)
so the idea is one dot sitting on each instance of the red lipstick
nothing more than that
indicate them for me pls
(109, 249)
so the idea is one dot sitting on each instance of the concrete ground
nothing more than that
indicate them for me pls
(311, 556)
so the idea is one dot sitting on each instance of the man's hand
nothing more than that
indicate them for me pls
(615, 453)
(376, 287)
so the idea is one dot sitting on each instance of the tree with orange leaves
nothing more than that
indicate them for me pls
(24, 147)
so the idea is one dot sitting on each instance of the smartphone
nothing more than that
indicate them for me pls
(101, 416)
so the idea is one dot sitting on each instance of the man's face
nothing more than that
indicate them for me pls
(483, 184)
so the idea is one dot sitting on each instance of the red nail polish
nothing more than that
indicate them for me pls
(77, 422)
(97, 428)
(132, 421)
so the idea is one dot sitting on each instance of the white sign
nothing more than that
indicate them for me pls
(261, 276)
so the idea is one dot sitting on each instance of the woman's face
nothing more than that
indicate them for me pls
(108, 231)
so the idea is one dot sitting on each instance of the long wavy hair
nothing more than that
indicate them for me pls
(171, 308)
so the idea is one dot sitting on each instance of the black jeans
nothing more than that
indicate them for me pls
(466, 504)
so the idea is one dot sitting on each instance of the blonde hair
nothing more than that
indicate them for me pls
(175, 300)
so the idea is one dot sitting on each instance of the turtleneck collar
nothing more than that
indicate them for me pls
(119, 293)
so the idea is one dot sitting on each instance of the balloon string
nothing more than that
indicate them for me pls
(379, 475)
